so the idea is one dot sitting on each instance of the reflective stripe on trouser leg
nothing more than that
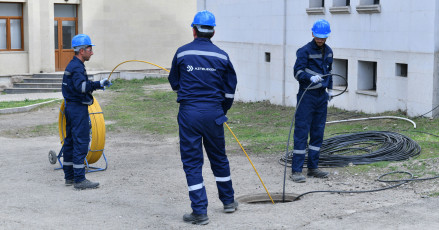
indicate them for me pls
(192, 158)
(214, 143)
(317, 131)
(80, 132)
(302, 126)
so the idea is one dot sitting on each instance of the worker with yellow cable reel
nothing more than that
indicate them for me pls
(77, 92)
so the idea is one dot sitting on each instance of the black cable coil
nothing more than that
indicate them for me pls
(363, 148)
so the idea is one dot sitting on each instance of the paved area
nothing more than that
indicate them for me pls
(30, 96)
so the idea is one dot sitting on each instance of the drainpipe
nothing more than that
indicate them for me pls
(284, 53)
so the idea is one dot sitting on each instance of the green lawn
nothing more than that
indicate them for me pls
(26, 102)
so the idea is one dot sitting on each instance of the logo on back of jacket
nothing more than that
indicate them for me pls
(191, 68)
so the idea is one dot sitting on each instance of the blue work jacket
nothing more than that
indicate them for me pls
(202, 72)
(75, 84)
(312, 61)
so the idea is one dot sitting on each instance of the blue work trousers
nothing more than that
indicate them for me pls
(310, 119)
(76, 143)
(202, 124)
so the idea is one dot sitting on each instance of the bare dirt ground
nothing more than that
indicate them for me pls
(144, 187)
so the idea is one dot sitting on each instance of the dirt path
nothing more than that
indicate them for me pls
(145, 188)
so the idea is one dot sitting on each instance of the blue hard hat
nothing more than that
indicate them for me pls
(321, 29)
(204, 18)
(81, 40)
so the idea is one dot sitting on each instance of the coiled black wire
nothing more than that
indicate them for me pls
(363, 148)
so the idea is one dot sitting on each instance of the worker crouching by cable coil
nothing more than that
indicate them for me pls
(313, 61)
(77, 92)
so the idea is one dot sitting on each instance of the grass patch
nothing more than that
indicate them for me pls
(136, 108)
(262, 128)
(34, 131)
(26, 102)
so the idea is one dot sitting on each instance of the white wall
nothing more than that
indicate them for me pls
(400, 33)
(150, 30)
(121, 30)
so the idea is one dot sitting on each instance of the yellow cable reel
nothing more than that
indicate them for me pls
(97, 123)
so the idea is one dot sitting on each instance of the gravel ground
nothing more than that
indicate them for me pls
(144, 187)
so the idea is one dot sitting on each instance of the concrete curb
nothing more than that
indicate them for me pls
(24, 108)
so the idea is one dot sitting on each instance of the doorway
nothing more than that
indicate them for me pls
(66, 27)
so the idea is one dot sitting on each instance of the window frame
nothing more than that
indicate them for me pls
(8, 30)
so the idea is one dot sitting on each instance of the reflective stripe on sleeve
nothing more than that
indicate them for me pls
(311, 72)
(318, 86)
(67, 73)
(229, 95)
(84, 84)
(222, 179)
(314, 56)
(196, 187)
(297, 74)
(201, 53)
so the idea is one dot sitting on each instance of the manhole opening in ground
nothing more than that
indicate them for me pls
(263, 198)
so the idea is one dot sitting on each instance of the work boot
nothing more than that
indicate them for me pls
(317, 173)
(229, 208)
(298, 177)
(198, 219)
(69, 182)
(85, 184)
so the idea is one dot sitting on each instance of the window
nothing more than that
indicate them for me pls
(340, 7)
(316, 3)
(267, 57)
(340, 66)
(341, 3)
(367, 76)
(401, 70)
(11, 26)
(316, 7)
(369, 2)
(369, 7)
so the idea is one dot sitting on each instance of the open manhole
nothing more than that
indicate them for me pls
(263, 198)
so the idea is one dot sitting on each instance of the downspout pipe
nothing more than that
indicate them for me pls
(284, 47)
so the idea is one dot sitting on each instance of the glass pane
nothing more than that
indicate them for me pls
(56, 35)
(2, 34)
(65, 11)
(16, 34)
(68, 32)
(10, 9)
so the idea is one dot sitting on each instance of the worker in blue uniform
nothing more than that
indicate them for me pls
(313, 61)
(205, 82)
(77, 92)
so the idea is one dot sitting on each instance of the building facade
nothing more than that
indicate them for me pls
(35, 35)
(388, 50)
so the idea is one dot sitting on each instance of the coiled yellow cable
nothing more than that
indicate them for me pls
(224, 123)
(97, 123)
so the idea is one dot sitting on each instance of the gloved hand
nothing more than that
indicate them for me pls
(105, 83)
(330, 95)
(316, 78)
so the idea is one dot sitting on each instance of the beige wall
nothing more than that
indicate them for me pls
(122, 30)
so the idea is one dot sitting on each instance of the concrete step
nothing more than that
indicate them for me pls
(42, 80)
(46, 75)
(37, 85)
(32, 90)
